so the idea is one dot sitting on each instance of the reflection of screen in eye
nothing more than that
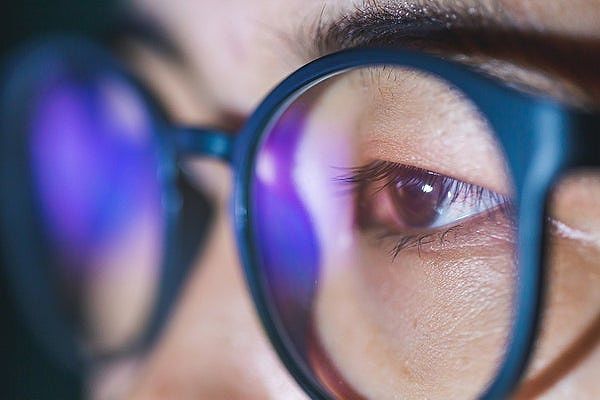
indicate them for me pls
(404, 203)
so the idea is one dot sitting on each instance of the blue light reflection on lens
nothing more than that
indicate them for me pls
(93, 161)
(289, 249)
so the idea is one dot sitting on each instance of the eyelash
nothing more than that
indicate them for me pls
(411, 241)
(388, 173)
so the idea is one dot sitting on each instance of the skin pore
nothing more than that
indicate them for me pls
(233, 53)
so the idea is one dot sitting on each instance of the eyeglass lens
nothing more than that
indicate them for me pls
(94, 166)
(382, 217)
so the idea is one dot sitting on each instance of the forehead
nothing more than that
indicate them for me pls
(238, 50)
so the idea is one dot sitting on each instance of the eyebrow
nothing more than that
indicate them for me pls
(483, 37)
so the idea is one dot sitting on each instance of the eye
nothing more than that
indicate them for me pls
(404, 199)
(417, 202)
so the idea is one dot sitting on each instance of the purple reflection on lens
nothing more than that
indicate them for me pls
(290, 253)
(94, 164)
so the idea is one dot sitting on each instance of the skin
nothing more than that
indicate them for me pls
(213, 345)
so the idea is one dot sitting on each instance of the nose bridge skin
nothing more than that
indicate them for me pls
(204, 142)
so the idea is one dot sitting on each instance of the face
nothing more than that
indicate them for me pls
(446, 286)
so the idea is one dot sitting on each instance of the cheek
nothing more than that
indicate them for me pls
(425, 320)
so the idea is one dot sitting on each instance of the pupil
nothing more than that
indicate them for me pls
(418, 202)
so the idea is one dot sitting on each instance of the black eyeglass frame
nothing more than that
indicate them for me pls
(541, 139)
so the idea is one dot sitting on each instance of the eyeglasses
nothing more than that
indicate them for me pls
(389, 209)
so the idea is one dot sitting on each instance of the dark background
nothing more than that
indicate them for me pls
(26, 372)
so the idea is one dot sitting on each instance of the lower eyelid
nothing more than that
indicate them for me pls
(419, 241)
(473, 232)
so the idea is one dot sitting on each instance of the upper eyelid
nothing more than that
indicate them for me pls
(382, 169)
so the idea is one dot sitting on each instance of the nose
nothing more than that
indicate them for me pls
(213, 346)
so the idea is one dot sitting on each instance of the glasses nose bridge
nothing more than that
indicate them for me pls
(204, 142)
